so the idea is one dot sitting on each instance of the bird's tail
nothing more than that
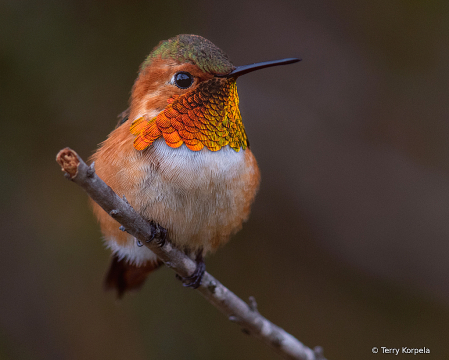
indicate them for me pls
(123, 276)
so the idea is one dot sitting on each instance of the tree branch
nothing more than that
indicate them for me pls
(148, 234)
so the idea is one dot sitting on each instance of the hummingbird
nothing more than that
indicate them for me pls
(181, 157)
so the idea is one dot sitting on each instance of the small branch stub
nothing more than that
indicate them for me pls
(91, 170)
(114, 213)
(252, 303)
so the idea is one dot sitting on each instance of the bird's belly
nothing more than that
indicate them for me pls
(200, 197)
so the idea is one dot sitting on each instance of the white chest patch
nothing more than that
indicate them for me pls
(200, 197)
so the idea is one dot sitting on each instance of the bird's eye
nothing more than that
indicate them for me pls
(183, 79)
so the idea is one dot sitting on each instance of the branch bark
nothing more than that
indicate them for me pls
(246, 315)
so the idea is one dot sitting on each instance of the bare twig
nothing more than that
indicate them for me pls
(247, 316)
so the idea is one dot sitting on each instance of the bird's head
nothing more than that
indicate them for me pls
(186, 93)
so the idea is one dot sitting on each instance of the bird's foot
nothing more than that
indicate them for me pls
(194, 280)
(158, 234)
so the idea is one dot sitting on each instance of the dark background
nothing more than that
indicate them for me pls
(347, 244)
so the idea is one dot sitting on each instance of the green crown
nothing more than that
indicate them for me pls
(193, 49)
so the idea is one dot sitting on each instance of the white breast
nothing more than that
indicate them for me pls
(200, 197)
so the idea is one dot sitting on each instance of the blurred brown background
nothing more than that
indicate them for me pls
(347, 245)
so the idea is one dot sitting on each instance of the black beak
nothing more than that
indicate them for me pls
(245, 69)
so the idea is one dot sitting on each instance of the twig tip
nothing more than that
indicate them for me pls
(69, 162)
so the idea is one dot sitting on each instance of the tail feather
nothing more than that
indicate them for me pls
(123, 276)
